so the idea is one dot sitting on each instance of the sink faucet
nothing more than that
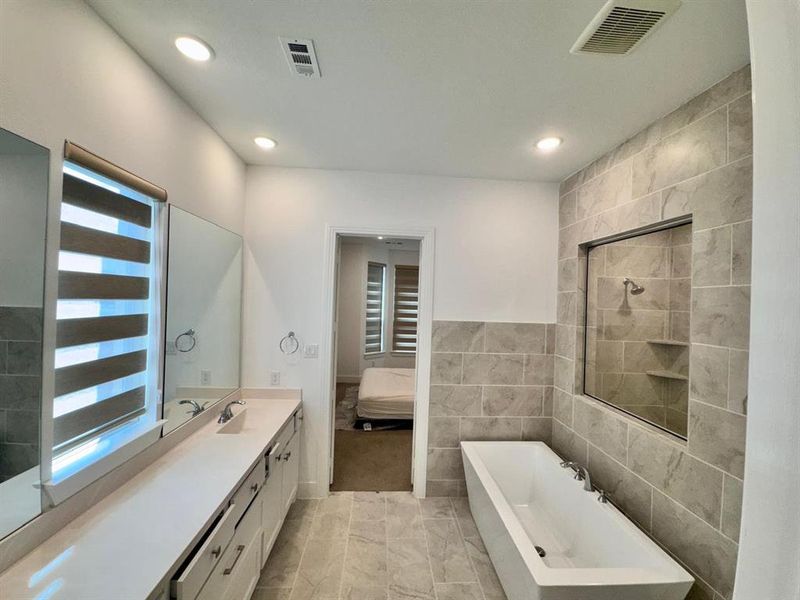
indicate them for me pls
(227, 414)
(197, 408)
(581, 473)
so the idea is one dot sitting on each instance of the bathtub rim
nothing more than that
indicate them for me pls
(672, 573)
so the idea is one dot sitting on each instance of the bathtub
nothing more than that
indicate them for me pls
(521, 498)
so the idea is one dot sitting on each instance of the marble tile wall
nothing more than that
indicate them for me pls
(626, 333)
(489, 381)
(20, 388)
(695, 161)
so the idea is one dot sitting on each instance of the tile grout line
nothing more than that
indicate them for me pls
(464, 542)
(427, 549)
(305, 546)
(346, 543)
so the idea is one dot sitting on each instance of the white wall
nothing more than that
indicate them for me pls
(769, 552)
(64, 74)
(23, 205)
(495, 260)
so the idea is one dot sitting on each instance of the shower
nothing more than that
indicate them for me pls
(635, 288)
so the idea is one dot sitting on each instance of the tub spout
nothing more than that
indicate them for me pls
(582, 474)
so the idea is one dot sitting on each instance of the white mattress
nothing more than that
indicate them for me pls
(386, 394)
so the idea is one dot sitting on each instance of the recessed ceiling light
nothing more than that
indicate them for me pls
(548, 144)
(380, 237)
(194, 48)
(265, 143)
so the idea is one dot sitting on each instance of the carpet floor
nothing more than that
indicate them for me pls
(372, 461)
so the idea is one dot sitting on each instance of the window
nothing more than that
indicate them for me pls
(406, 308)
(376, 308)
(108, 318)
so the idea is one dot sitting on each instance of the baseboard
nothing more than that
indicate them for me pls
(307, 490)
(348, 379)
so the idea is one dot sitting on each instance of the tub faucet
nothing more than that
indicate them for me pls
(227, 414)
(582, 474)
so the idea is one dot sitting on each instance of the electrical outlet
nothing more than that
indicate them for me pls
(311, 350)
(275, 378)
(205, 377)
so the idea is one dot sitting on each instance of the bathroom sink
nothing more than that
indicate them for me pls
(236, 424)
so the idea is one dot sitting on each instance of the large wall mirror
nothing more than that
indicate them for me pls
(203, 323)
(24, 169)
(637, 325)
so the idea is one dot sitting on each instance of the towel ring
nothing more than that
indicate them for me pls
(289, 343)
(189, 333)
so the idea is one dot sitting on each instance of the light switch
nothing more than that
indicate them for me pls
(311, 350)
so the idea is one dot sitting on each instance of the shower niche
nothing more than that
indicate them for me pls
(638, 295)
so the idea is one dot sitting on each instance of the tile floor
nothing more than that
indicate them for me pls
(379, 546)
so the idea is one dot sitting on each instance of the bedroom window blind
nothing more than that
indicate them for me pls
(376, 303)
(106, 342)
(406, 309)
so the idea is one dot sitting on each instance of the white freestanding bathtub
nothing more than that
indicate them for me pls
(521, 498)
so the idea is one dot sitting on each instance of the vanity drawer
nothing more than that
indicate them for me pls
(248, 490)
(192, 578)
(240, 563)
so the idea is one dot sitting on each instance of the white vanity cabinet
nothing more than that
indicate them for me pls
(291, 468)
(280, 489)
(227, 563)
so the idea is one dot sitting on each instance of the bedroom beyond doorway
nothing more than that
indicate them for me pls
(377, 302)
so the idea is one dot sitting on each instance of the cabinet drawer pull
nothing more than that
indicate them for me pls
(239, 550)
(287, 456)
(254, 488)
(216, 552)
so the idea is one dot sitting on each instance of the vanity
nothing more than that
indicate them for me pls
(199, 522)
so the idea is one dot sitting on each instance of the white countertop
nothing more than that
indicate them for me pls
(125, 545)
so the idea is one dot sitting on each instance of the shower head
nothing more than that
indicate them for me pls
(635, 288)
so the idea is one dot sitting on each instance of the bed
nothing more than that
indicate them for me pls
(386, 394)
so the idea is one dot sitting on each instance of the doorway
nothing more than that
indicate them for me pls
(377, 382)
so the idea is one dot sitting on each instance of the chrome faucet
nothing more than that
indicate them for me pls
(227, 414)
(581, 473)
(197, 408)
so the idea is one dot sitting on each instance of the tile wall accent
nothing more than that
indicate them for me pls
(687, 495)
(489, 381)
(20, 388)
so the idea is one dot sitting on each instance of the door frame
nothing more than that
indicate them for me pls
(426, 237)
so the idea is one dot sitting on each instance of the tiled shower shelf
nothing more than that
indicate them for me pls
(668, 375)
(668, 343)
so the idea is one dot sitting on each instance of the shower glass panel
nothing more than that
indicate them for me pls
(203, 328)
(638, 293)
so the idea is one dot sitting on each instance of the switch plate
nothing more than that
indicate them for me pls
(311, 350)
(205, 377)
(275, 378)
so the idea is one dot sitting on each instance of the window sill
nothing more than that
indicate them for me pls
(375, 355)
(404, 352)
(105, 454)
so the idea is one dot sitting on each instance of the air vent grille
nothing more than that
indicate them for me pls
(621, 25)
(301, 56)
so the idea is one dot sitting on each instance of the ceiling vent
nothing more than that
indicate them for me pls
(301, 56)
(621, 25)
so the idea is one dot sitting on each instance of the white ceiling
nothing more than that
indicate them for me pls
(439, 87)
